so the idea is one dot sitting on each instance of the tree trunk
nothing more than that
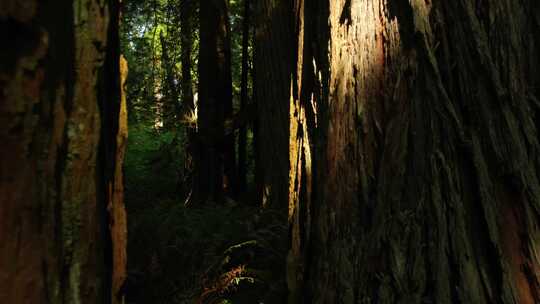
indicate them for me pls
(62, 222)
(417, 179)
(242, 136)
(216, 167)
(189, 110)
(273, 63)
(171, 104)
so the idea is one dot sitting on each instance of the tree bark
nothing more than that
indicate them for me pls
(418, 162)
(216, 167)
(242, 136)
(188, 104)
(62, 223)
(273, 63)
(171, 104)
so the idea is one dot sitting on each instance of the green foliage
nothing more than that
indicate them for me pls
(177, 254)
(152, 164)
(228, 252)
(143, 22)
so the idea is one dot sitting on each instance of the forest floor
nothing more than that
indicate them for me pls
(215, 253)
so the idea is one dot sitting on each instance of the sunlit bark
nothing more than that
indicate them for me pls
(424, 152)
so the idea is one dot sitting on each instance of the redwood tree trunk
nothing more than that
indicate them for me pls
(419, 179)
(216, 168)
(62, 222)
(242, 135)
(273, 63)
(171, 106)
(188, 103)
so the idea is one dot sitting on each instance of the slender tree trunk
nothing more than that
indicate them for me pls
(189, 110)
(230, 174)
(419, 179)
(242, 137)
(171, 105)
(217, 166)
(273, 63)
(186, 32)
(62, 222)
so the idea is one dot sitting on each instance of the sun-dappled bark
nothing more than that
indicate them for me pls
(302, 125)
(114, 131)
(115, 206)
(418, 153)
(62, 223)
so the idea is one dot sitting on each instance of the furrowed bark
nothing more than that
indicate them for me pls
(53, 198)
(425, 154)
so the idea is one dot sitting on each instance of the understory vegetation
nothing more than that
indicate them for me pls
(180, 251)
(214, 253)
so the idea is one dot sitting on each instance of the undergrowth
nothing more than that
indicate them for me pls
(231, 253)
(152, 165)
(205, 255)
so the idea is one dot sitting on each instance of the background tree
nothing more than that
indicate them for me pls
(425, 153)
(216, 165)
(273, 65)
(189, 110)
(244, 98)
(171, 102)
(62, 221)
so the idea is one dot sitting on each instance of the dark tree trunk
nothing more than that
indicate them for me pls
(228, 149)
(171, 103)
(186, 32)
(242, 136)
(189, 110)
(417, 179)
(273, 63)
(62, 221)
(216, 167)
